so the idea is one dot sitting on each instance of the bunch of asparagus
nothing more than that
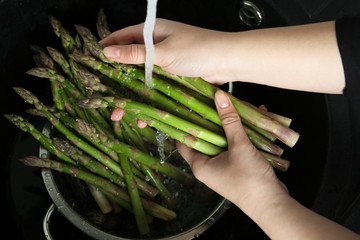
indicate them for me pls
(116, 157)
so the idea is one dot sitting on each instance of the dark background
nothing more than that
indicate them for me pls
(325, 163)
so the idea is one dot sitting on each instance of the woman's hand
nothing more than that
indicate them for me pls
(179, 49)
(240, 174)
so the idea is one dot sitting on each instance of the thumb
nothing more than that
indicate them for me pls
(128, 54)
(230, 119)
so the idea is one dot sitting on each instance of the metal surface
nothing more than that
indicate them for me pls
(66, 208)
(250, 14)
(210, 216)
(46, 222)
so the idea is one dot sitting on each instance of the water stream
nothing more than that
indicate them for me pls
(148, 39)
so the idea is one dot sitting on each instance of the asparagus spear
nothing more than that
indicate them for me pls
(203, 109)
(134, 196)
(94, 166)
(182, 136)
(59, 58)
(139, 156)
(92, 81)
(136, 140)
(282, 132)
(26, 126)
(89, 163)
(151, 208)
(140, 88)
(276, 162)
(50, 146)
(102, 24)
(101, 157)
(90, 133)
(157, 114)
(98, 120)
(122, 148)
(67, 40)
(100, 198)
(176, 93)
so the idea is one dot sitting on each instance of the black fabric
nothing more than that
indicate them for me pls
(348, 38)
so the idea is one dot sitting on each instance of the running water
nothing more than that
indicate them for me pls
(148, 39)
(160, 138)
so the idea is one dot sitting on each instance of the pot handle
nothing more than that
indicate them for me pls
(46, 222)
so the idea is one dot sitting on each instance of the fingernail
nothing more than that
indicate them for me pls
(221, 99)
(117, 114)
(111, 52)
(141, 124)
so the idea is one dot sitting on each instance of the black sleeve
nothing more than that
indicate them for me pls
(348, 38)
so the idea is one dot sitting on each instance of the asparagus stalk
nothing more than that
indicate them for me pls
(90, 133)
(150, 134)
(67, 40)
(92, 81)
(42, 59)
(139, 156)
(50, 146)
(99, 121)
(102, 25)
(151, 208)
(157, 114)
(253, 116)
(59, 58)
(134, 196)
(100, 198)
(26, 126)
(95, 153)
(182, 136)
(276, 162)
(262, 143)
(140, 88)
(136, 140)
(124, 204)
(179, 95)
(89, 163)
(94, 166)
(122, 148)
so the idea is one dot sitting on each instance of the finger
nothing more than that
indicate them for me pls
(132, 34)
(117, 114)
(128, 54)
(229, 118)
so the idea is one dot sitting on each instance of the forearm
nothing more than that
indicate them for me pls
(285, 218)
(304, 57)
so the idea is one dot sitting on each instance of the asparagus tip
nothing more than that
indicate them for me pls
(32, 161)
(41, 72)
(25, 94)
(35, 112)
(92, 103)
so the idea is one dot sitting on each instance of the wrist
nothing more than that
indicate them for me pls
(262, 202)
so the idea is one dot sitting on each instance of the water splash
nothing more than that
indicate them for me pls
(160, 138)
(148, 39)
